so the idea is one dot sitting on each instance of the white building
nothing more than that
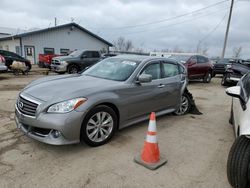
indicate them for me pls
(54, 40)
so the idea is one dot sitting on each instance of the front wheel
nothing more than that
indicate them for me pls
(238, 163)
(73, 69)
(99, 126)
(185, 105)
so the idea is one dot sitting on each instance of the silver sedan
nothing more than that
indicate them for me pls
(89, 107)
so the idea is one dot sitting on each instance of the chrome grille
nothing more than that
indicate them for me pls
(26, 107)
(55, 62)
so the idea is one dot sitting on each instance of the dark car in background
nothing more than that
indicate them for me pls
(75, 62)
(11, 56)
(198, 66)
(235, 71)
(221, 65)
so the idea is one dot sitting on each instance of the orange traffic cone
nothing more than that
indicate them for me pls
(150, 156)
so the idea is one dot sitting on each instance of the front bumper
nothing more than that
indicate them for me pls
(43, 127)
(58, 68)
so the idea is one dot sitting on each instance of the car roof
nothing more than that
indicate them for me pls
(141, 58)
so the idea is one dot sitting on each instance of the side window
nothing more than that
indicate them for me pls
(95, 54)
(193, 59)
(202, 59)
(170, 70)
(87, 54)
(154, 70)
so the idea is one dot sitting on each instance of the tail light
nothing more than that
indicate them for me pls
(2, 59)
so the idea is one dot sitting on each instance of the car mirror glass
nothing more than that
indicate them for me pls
(144, 78)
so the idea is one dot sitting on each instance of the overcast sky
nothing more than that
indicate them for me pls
(150, 24)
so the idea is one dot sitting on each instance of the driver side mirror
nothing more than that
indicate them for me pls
(236, 92)
(144, 78)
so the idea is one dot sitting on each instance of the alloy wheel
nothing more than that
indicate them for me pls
(99, 126)
(184, 106)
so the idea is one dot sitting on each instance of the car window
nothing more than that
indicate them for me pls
(170, 70)
(112, 69)
(193, 59)
(202, 59)
(88, 54)
(154, 70)
(95, 54)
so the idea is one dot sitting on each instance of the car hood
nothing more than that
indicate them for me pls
(58, 88)
(64, 58)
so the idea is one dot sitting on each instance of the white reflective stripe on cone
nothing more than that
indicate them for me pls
(152, 126)
(151, 139)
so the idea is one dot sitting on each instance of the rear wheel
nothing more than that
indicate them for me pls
(208, 77)
(238, 163)
(73, 69)
(99, 126)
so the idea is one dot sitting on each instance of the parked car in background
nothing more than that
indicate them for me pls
(11, 56)
(238, 163)
(235, 71)
(221, 65)
(44, 60)
(2, 64)
(113, 94)
(75, 62)
(198, 66)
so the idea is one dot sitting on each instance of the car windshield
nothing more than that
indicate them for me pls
(181, 58)
(223, 61)
(112, 69)
(76, 53)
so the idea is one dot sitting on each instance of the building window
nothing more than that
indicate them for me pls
(29, 52)
(18, 50)
(49, 51)
(64, 51)
(1, 47)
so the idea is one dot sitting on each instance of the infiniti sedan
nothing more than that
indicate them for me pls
(90, 107)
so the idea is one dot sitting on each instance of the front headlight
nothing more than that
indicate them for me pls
(228, 66)
(66, 106)
(63, 62)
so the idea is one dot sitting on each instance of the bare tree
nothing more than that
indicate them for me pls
(128, 45)
(121, 44)
(237, 52)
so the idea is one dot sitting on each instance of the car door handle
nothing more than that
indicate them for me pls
(161, 86)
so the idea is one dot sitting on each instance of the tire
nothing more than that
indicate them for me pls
(73, 69)
(224, 80)
(238, 162)
(185, 105)
(93, 128)
(207, 78)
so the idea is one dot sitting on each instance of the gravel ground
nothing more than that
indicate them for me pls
(196, 147)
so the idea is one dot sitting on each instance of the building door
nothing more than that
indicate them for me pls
(30, 53)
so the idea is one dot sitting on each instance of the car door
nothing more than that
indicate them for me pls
(172, 81)
(192, 67)
(203, 64)
(147, 97)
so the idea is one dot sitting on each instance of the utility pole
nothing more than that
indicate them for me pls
(228, 24)
(55, 21)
